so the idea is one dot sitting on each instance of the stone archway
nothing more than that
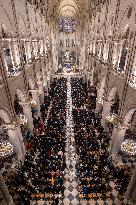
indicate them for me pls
(120, 130)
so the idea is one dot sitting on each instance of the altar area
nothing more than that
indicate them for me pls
(68, 68)
(67, 63)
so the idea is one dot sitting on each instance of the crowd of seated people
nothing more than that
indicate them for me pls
(44, 164)
(95, 169)
(43, 168)
(91, 144)
(45, 106)
(121, 175)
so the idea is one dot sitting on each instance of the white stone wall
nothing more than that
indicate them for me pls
(38, 29)
(122, 22)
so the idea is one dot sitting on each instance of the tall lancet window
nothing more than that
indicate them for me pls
(73, 23)
(67, 24)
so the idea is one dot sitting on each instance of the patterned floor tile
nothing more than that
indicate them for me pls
(74, 184)
(70, 197)
(74, 192)
(66, 192)
(75, 201)
(66, 201)
(70, 188)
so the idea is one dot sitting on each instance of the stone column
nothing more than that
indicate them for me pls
(36, 98)
(14, 140)
(21, 140)
(98, 106)
(7, 197)
(40, 86)
(41, 95)
(106, 112)
(131, 190)
(120, 51)
(16, 53)
(92, 76)
(45, 85)
(114, 133)
(28, 114)
(98, 101)
(48, 83)
(115, 54)
(11, 52)
(28, 50)
(117, 138)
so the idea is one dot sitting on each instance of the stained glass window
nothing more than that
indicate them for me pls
(73, 22)
(61, 24)
(67, 24)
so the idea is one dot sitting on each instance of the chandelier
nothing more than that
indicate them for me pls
(111, 118)
(6, 149)
(129, 147)
(22, 119)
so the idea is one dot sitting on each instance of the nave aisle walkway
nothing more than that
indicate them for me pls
(71, 193)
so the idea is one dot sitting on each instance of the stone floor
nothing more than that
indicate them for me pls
(71, 193)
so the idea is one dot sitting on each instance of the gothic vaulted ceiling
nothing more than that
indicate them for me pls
(69, 7)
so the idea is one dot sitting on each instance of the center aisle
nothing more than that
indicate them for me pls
(71, 193)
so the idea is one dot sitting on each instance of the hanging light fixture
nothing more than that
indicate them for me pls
(33, 102)
(22, 119)
(111, 118)
(6, 149)
(129, 147)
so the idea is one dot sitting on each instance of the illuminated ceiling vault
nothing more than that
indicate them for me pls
(68, 8)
